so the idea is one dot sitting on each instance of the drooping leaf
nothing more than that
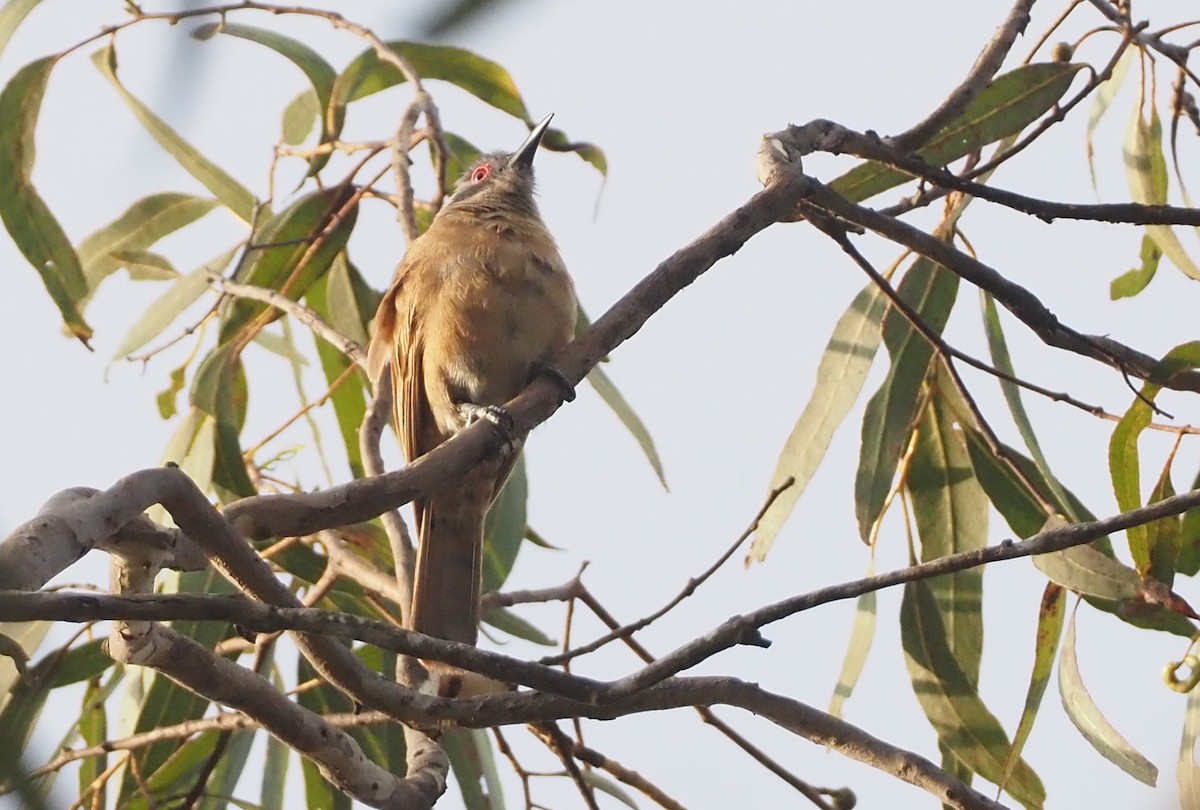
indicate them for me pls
(274, 772)
(145, 265)
(332, 297)
(93, 730)
(462, 153)
(1133, 281)
(1051, 614)
(504, 528)
(1188, 562)
(1123, 459)
(950, 510)
(182, 293)
(182, 765)
(633, 423)
(470, 752)
(482, 78)
(164, 703)
(299, 117)
(1146, 169)
(512, 623)
(1090, 572)
(1090, 721)
(862, 633)
(11, 16)
(1002, 360)
(602, 783)
(930, 290)
(840, 377)
(231, 193)
(1101, 100)
(1187, 771)
(219, 390)
(1163, 535)
(137, 229)
(34, 230)
(486, 80)
(1011, 102)
(319, 72)
(953, 706)
(292, 249)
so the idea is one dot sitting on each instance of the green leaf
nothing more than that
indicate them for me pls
(11, 16)
(462, 153)
(93, 729)
(1010, 493)
(1187, 772)
(963, 723)
(470, 754)
(1123, 460)
(1092, 724)
(1163, 535)
(1189, 539)
(136, 230)
(633, 423)
(146, 265)
(182, 293)
(163, 703)
(1101, 100)
(602, 783)
(287, 257)
(329, 297)
(34, 230)
(504, 528)
(231, 193)
(862, 633)
(274, 776)
(950, 510)
(840, 376)
(1051, 614)
(509, 622)
(318, 71)
(1088, 571)
(1146, 170)
(299, 116)
(1012, 101)
(1133, 281)
(482, 78)
(1002, 360)
(219, 390)
(930, 290)
(183, 766)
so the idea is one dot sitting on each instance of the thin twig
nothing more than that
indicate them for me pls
(688, 589)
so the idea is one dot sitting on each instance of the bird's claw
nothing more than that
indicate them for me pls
(565, 388)
(499, 416)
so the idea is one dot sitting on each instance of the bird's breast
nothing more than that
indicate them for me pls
(502, 304)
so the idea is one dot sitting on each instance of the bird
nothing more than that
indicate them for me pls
(479, 306)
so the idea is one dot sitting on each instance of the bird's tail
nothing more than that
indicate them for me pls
(448, 577)
(450, 560)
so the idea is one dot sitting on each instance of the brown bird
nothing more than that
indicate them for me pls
(480, 304)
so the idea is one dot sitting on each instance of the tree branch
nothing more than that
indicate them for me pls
(987, 64)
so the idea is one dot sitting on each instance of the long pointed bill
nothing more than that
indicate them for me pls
(524, 155)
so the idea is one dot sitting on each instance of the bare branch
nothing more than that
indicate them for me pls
(987, 64)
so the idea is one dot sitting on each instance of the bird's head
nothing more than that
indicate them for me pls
(500, 182)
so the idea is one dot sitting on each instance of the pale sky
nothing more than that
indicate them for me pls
(677, 94)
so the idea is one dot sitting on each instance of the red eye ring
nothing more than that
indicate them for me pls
(481, 172)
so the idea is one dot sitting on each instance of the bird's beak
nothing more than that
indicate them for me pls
(523, 157)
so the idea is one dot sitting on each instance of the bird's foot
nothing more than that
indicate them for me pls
(565, 388)
(499, 416)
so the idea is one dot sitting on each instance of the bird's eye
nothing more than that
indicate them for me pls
(481, 173)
